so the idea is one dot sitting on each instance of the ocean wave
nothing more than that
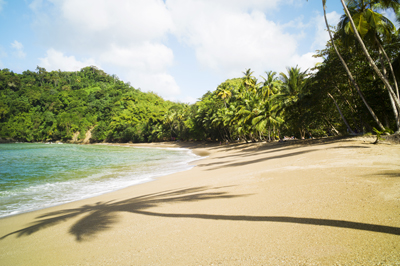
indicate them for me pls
(103, 176)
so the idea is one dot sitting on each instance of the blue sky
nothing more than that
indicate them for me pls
(179, 49)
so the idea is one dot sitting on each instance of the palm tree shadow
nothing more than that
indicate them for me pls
(286, 219)
(102, 215)
(248, 162)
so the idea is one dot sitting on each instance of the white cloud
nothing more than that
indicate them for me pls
(149, 57)
(123, 21)
(131, 37)
(322, 35)
(55, 60)
(127, 36)
(19, 49)
(17, 45)
(229, 40)
(189, 99)
(305, 61)
(241, 5)
(161, 83)
(92, 25)
(145, 65)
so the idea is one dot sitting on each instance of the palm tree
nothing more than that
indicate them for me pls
(293, 84)
(294, 87)
(361, 20)
(170, 119)
(373, 28)
(249, 81)
(265, 116)
(266, 109)
(224, 92)
(348, 71)
(271, 84)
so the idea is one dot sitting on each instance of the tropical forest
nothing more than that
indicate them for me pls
(355, 90)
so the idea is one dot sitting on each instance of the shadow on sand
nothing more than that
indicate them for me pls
(102, 215)
(289, 149)
(253, 161)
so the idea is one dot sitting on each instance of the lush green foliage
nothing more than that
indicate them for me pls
(40, 106)
(43, 106)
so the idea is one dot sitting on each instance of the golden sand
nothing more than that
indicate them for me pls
(331, 202)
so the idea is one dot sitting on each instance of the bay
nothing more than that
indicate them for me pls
(36, 175)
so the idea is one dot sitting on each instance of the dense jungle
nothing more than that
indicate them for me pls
(353, 91)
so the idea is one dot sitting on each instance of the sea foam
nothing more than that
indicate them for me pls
(37, 176)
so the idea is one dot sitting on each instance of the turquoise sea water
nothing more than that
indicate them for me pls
(36, 175)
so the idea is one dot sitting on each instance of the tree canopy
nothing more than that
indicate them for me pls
(354, 90)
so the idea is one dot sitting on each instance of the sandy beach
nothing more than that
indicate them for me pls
(317, 202)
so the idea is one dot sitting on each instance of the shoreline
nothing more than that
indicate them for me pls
(318, 203)
(192, 146)
(200, 155)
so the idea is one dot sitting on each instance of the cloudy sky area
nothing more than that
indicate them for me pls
(179, 49)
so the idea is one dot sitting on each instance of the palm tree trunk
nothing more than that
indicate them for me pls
(369, 58)
(351, 107)
(332, 127)
(390, 66)
(269, 132)
(395, 111)
(341, 114)
(348, 71)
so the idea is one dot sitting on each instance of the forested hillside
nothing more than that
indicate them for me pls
(42, 106)
(354, 90)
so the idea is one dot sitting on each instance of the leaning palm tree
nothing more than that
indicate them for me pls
(355, 84)
(362, 20)
(373, 28)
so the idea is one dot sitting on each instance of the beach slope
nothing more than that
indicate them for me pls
(295, 203)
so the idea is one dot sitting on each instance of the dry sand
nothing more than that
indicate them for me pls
(332, 202)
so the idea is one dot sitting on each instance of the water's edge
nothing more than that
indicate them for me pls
(153, 177)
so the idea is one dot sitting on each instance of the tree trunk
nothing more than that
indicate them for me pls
(390, 66)
(269, 133)
(351, 107)
(369, 58)
(395, 111)
(341, 114)
(349, 73)
(273, 132)
(332, 127)
(302, 133)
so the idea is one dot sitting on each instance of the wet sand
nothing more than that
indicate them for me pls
(322, 202)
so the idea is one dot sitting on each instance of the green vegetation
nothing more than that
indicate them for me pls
(353, 90)
(40, 106)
